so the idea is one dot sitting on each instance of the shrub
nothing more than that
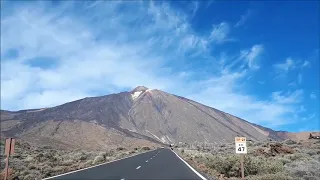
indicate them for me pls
(284, 161)
(307, 177)
(225, 165)
(98, 159)
(121, 148)
(145, 148)
(304, 168)
(110, 153)
(278, 176)
(230, 165)
(102, 154)
(295, 157)
(290, 142)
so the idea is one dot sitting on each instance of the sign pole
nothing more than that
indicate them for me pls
(9, 149)
(8, 146)
(242, 168)
(6, 168)
(241, 148)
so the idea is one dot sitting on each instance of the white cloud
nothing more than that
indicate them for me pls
(88, 49)
(223, 93)
(195, 7)
(246, 58)
(286, 66)
(244, 18)
(292, 84)
(253, 54)
(219, 33)
(313, 95)
(305, 64)
(302, 109)
(288, 98)
(309, 117)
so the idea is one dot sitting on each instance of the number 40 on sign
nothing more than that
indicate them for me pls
(241, 145)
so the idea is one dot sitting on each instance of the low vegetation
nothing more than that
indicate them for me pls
(288, 160)
(30, 162)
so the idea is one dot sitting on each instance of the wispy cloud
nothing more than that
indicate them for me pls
(287, 98)
(305, 64)
(289, 65)
(220, 33)
(286, 66)
(252, 56)
(246, 58)
(195, 7)
(309, 117)
(313, 95)
(244, 18)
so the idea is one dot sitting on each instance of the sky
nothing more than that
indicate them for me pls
(256, 60)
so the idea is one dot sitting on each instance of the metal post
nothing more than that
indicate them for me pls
(242, 168)
(7, 161)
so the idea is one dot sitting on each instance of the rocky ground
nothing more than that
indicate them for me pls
(31, 162)
(288, 160)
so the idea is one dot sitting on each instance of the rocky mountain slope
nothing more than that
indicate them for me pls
(142, 116)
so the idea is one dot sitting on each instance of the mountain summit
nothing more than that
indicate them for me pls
(142, 116)
(140, 88)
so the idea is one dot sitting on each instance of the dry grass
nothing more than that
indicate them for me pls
(30, 162)
(286, 160)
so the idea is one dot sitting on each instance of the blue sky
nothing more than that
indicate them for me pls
(256, 60)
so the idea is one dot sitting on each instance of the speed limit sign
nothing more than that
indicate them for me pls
(241, 145)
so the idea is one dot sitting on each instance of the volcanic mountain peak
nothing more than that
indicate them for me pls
(141, 115)
(136, 92)
(140, 88)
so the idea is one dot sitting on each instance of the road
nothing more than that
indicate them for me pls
(156, 164)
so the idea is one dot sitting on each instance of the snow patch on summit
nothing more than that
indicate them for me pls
(136, 94)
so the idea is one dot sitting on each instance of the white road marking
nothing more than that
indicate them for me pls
(190, 167)
(150, 158)
(138, 167)
(146, 160)
(122, 179)
(95, 165)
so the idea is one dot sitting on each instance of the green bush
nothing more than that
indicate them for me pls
(121, 149)
(98, 159)
(278, 176)
(230, 165)
(145, 148)
(290, 142)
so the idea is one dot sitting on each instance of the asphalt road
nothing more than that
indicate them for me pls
(157, 164)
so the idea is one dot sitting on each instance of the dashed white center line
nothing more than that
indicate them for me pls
(138, 167)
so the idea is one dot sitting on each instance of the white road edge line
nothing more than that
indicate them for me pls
(138, 167)
(96, 165)
(190, 166)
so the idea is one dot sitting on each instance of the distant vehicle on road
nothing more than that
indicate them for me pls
(171, 146)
